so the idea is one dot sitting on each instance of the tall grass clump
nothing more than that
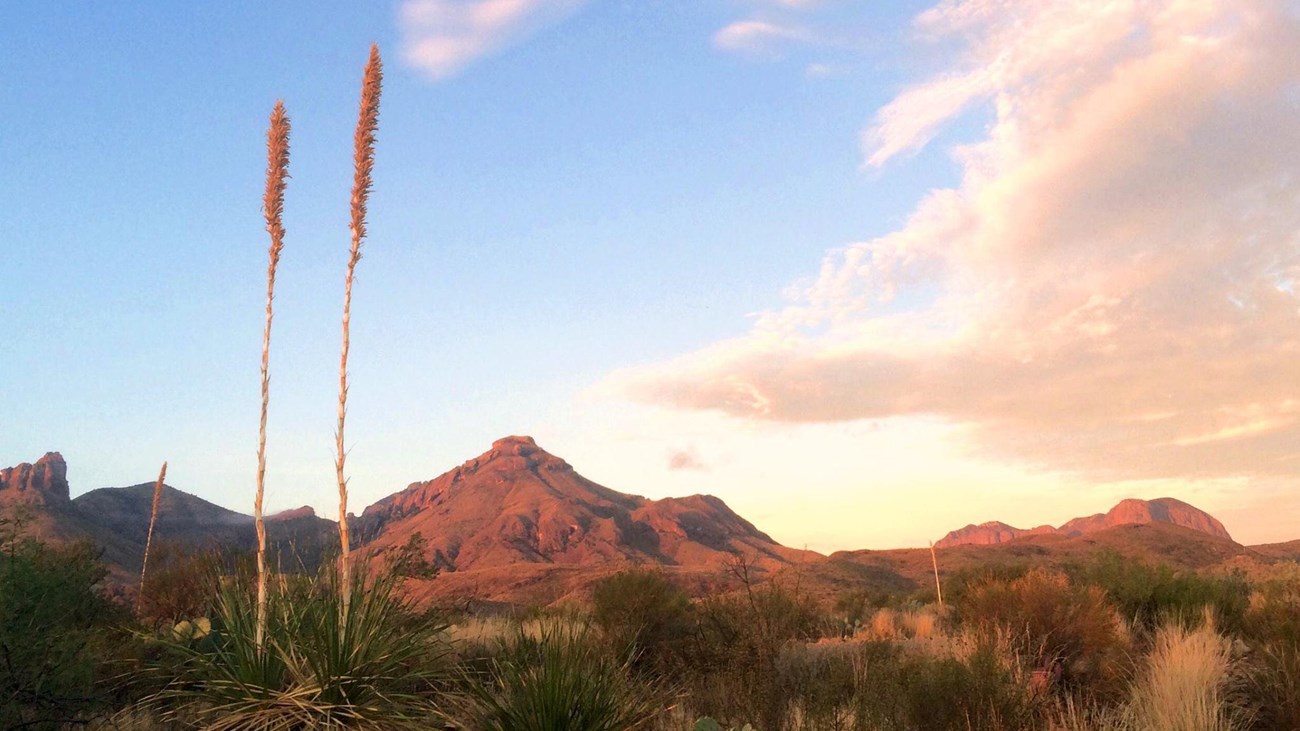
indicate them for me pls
(562, 679)
(277, 173)
(363, 162)
(1188, 683)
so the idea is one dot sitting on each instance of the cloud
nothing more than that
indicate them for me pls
(685, 459)
(760, 37)
(441, 37)
(1114, 287)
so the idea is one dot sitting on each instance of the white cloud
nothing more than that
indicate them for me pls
(759, 37)
(1112, 287)
(441, 37)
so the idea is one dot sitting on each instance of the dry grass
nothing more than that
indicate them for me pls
(277, 173)
(1187, 683)
(363, 162)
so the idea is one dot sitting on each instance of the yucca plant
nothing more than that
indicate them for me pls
(563, 679)
(321, 666)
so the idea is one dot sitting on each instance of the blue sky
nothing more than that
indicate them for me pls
(589, 215)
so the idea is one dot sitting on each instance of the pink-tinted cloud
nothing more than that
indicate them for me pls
(685, 459)
(441, 37)
(1111, 289)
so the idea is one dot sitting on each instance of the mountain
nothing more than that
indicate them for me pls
(117, 519)
(502, 522)
(1126, 512)
(514, 524)
(907, 570)
(519, 525)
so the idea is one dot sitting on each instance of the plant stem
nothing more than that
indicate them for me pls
(364, 161)
(148, 540)
(277, 172)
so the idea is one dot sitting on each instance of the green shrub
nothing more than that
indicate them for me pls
(562, 679)
(56, 629)
(644, 616)
(326, 662)
(1149, 596)
(181, 584)
(737, 646)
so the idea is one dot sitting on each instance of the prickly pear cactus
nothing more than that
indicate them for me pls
(708, 724)
(196, 629)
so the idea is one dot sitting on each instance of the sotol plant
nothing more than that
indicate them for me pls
(277, 173)
(363, 156)
(338, 651)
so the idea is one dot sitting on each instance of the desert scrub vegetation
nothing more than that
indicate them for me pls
(57, 632)
(561, 676)
(324, 660)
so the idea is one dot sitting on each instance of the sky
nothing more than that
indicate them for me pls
(867, 271)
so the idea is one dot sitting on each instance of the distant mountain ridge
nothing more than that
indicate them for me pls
(1127, 512)
(519, 525)
(498, 526)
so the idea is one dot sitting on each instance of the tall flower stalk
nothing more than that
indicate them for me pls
(277, 173)
(364, 162)
(148, 540)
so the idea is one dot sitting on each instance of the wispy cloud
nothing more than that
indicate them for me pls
(760, 37)
(441, 37)
(1112, 288)
(685, 459)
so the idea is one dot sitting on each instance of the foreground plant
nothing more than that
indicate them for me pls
(148, 539)
(277, 173)
(328, 660)
(562, 679)
(363, 163)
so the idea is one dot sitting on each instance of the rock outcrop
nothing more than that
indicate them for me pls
(1127, 512)
(44, 481)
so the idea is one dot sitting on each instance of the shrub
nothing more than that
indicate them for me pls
(644, 616)
(55, 630)
(562, 679)
(1063, 628)
(329, 660)
(1274, 686)
(1150, 595)
(181, 585)
(738, 643)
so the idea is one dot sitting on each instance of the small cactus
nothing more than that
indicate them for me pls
(708, 724)
(186, 630)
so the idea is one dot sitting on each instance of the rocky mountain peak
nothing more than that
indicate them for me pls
(1131, 511)
(45, 479)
